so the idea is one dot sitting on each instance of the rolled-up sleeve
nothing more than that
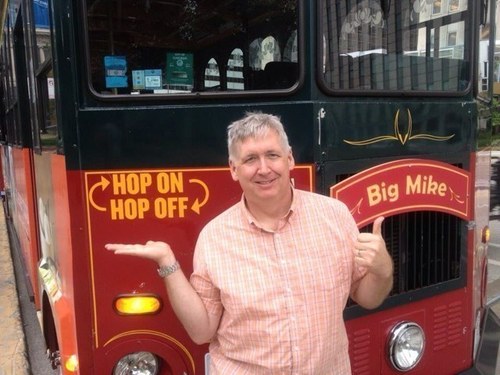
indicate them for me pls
(201, 281)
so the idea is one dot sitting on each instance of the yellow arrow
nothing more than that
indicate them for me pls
(197, 205)
(104, 184)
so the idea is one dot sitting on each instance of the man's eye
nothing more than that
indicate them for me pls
(249, 159)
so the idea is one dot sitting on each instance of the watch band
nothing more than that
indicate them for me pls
(164, 271)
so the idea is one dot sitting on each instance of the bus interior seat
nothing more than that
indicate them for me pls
(258, 79)
(281, 74)
(401, 72)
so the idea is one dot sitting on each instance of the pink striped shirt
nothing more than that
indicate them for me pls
(281, 293)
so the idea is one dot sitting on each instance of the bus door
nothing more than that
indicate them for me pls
(23, 204)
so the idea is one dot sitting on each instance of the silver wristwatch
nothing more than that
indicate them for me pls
(164, 271)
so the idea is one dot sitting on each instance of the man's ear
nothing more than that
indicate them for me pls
(232, 168)
(291, 160)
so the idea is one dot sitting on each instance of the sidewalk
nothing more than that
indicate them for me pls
(13, 359)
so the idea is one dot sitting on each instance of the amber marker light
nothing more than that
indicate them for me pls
(137, 304)
(485, 235)
(71, 363)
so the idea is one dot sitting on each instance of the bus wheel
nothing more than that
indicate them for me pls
(49, 332)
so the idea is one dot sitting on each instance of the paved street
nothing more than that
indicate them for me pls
(13, 359)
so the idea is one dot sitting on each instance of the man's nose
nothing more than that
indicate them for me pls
(263, 165)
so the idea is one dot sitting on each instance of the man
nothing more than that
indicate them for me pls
(272, 274)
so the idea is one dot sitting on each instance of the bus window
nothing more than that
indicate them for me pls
(4, 91)
(415, 45)
(46, 133)
(9, 83)
(212, 75)
(235, 71)
(179, 48)
(269, 51)
(42, 31)
(488, 57)
(290, 53)
(49, 134)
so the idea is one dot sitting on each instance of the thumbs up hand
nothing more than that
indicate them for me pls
(370, 251)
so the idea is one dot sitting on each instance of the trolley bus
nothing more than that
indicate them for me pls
(112, 129)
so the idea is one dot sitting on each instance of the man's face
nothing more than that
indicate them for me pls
(262, 167)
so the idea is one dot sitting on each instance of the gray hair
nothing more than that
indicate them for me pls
(254, 125)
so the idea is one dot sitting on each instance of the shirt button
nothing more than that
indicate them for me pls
(283, 262)
(288, 290)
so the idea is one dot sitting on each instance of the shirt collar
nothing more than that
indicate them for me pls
(250, 219)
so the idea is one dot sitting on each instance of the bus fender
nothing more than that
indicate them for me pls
(486, 361)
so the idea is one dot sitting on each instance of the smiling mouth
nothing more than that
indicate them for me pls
(266, 182)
